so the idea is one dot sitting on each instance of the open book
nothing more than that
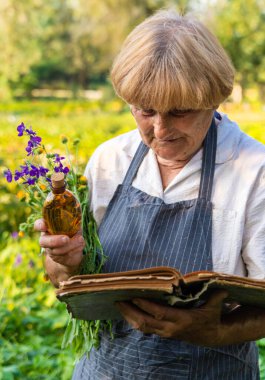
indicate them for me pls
(92, 297)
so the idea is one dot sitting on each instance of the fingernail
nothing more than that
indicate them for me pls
(65, 239)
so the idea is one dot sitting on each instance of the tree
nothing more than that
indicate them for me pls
(240, 26)
(34, 34)
(65, 42)
(100, 28)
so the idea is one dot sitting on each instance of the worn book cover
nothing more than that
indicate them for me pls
(91, 297)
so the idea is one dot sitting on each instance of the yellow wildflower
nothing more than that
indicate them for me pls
(83, 180)
(43, 187)
(21, 194)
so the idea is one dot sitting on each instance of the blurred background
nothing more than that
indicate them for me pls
(55, 57)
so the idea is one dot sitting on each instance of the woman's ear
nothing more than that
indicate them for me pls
(132, 109)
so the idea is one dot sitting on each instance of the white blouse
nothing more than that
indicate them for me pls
(238, 192)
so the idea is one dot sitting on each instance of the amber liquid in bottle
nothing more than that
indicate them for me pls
(61, 210)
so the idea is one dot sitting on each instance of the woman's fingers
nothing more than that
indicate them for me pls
(158, 311)
(70, 259)
(59, 244)
(40, 225)
(201, 325)
(54, 241)
(138, 318)
(69, 253)
(61, 248)
(213, 306)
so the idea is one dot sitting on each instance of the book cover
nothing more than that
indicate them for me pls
(92, 297)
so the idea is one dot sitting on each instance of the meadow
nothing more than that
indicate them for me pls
(32, 321)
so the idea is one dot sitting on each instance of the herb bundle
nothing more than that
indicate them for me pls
(34, 178)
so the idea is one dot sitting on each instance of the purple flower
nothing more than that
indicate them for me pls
(30, 181)
(57, 158)
(8, 175)
(30, 132)
(25, 170)
(29, 148)
(28, 172)
(34, 171)
(60, 167)
(21, 129)
(18, 260)
(17, 175)
(43, 171)
(36, 140)
(14, 235)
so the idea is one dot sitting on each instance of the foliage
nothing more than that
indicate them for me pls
(34, 176)
(240, 26)
(32, 320)
(71, 44)
(261, 345)
(62, 43)
(33, 33)
(79, 120)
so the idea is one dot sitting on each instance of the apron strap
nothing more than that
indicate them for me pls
(208, 162)
(136, 162)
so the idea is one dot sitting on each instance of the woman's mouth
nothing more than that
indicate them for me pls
(167, 140)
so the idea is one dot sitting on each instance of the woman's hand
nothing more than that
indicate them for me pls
(205, 325)
(63, 255)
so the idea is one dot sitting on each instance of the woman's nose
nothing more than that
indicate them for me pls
(160, 125)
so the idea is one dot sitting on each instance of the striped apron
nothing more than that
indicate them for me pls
(141, 231)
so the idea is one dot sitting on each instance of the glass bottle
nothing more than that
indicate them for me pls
(61, 210)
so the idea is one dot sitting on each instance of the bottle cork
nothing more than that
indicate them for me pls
(57, 180)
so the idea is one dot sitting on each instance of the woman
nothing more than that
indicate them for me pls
(186, 189)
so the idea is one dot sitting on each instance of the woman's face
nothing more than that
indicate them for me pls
(174, 136)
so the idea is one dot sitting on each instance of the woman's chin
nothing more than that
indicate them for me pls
(169, 156)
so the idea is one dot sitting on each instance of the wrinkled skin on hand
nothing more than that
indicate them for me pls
(63, 255)
(203, 326)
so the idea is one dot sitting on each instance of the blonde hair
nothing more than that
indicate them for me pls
(172, 62)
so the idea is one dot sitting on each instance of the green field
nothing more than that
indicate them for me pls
(32, 321)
